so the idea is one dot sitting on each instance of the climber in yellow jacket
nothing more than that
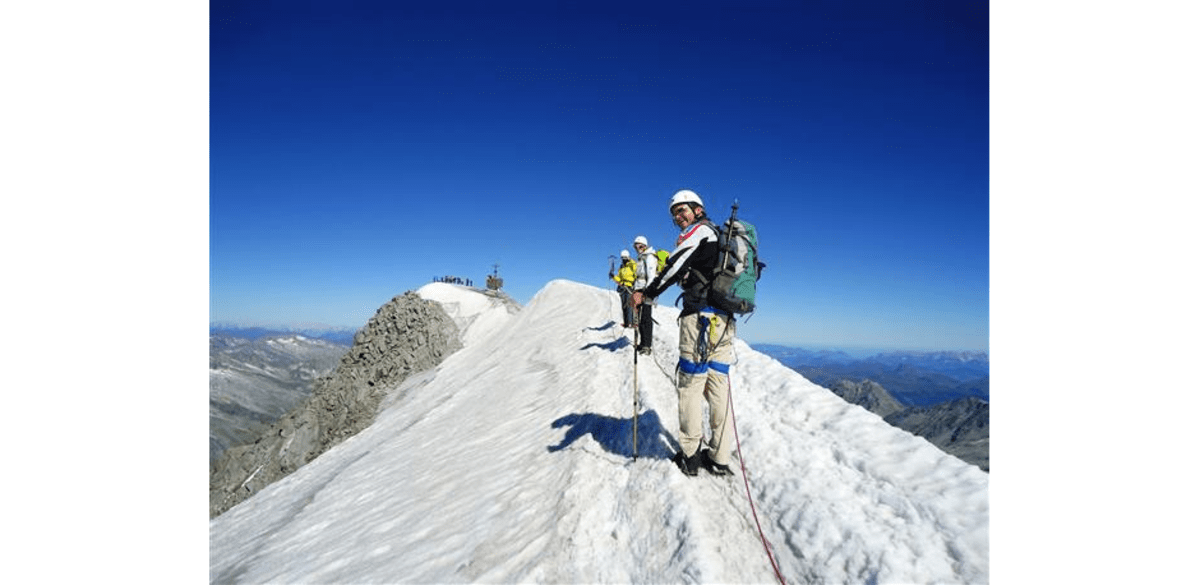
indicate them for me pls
(624, 279)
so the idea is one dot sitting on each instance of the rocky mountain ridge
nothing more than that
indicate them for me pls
(868, 395)
(407, 335)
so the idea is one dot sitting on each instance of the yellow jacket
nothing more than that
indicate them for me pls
(627, 273)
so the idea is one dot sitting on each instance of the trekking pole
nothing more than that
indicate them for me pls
(635, 383)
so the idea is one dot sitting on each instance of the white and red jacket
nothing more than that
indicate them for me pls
(691, 265)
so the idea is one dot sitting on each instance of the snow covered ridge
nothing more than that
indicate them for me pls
(511, 461)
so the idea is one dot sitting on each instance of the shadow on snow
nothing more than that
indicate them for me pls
(615, 435)
(615, 345)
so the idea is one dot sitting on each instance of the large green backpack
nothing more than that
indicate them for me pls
(738, 269)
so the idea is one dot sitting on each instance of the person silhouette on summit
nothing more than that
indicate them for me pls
(705, 339)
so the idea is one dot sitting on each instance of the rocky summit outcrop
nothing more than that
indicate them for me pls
(406, 336)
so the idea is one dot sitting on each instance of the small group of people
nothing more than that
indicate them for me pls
(705, 334)
(631, 277)
(453, 280)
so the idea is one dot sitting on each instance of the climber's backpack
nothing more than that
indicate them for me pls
(738, 266)
(662, 260)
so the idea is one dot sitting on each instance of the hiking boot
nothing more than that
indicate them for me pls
(644, 350)
(688, 465)
(712, 466)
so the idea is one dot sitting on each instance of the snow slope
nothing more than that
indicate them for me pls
(512, 461)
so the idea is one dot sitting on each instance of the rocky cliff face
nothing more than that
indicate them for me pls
(407, 335)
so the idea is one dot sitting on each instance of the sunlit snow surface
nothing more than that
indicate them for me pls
(512, 462)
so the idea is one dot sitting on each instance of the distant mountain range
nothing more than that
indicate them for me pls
(342, 336)
(254, 380)
(793, 356)
(914, 378)
(257, 374)
(940, 396)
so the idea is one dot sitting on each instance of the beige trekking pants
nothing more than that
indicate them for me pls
(703, 380)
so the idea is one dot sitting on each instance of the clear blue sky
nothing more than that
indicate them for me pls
(358, 149)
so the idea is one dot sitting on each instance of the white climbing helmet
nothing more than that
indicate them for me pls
(640, 240)
(684, 196)
(624, 253)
